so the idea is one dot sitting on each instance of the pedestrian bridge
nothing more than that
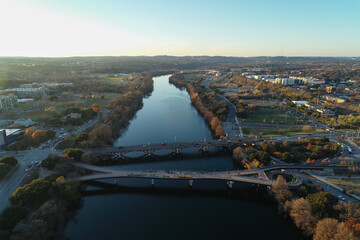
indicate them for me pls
(256, 176)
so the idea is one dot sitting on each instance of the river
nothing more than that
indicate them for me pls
(132, 209)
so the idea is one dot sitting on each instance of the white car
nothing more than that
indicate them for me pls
(341, 198)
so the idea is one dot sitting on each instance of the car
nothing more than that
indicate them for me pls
(163, 144)
(341, 198)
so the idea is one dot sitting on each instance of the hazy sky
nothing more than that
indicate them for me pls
(180, 27)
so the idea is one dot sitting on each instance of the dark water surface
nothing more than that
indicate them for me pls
(132, 209)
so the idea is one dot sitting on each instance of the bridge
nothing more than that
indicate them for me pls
(204, 145)
(255, 176)
(150, 149)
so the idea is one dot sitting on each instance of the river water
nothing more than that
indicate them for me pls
(132, 209)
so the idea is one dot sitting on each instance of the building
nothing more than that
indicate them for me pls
(47, 85)
(2, 138)
(300, 103)
(335, 99)
(330, 89)
(23, 123)
(326, 112)
(25, 92)
(308, 80)
(320, 109)
(9, 136)
(285, 81)
(7, 102)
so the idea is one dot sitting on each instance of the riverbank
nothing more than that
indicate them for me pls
(197, 100)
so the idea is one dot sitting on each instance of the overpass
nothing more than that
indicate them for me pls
(254, 176)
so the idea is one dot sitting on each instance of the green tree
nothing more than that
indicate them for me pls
(4, 169)
(74, 153)
(286, 156)
(322, 204)
(50, 162)
(50, 134)
(32, 194)
(81, 137)
(10, 216)
(10, 161)
(68, 191)
(263, 157)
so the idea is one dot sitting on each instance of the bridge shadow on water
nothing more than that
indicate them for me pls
(179, 188)
(185, 155)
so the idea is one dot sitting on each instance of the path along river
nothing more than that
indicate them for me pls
(132, 209)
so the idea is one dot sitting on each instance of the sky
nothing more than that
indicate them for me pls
(62, 28)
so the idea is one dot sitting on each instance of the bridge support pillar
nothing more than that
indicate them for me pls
(203, 148)
(152, 182)
(149, 153)
(177, 151)
(191, 183)
(229, 183)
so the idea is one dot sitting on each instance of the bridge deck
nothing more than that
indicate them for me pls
(256, 176)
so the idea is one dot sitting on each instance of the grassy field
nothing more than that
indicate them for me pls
(116, 80)
(271, 116)
(35, 110)
(276, 131)
(341, 111)
(347, 183)
(191, 77)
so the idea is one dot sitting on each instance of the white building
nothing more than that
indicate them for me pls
(285, 81)
(26, 92)
(7, 102)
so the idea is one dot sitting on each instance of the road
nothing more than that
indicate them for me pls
(11, 183)
(230, 124)
(30, 157)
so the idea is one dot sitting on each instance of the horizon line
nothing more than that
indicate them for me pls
(165, 55)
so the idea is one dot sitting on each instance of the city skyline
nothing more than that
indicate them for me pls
(39, 28)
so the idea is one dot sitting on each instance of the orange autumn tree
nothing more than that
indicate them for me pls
(40, 135)
(29, 131)
(96, 107)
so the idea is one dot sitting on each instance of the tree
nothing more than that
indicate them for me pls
(309, 147)
(74, 153)
(102, 133)
(40, 135)
(331, 229)
(81, 137)
(354, 225)
(68, 191)
(10, 161)
(32, 194)
(280, 189)
(300, 212)
(11, 215)
(238, 153)
(249, 150)
(307, 128)
(266, 146)
(348, 210)
(263, 157)
(50, 162)
(4, 169)
(50, 134)
(96, 107)
(322, 204)
(29, 131)
(219, 131)
(286, 156)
